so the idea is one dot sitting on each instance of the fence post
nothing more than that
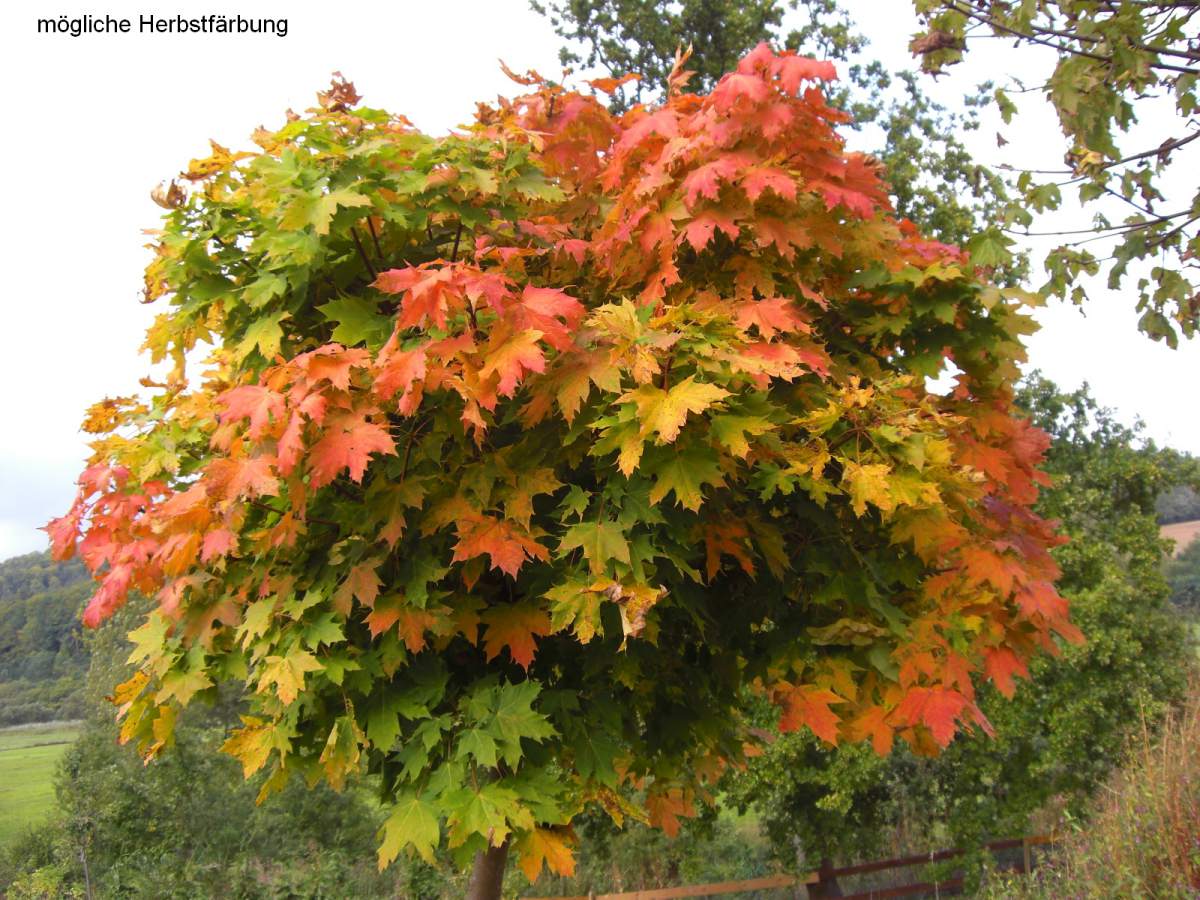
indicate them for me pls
(1025, 853)
(826, 885)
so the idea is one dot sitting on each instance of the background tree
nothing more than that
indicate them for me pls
(634, 36)
(42, 654)
(1065, 730)
(1116, 61)
(525, 452)
(1183, 575)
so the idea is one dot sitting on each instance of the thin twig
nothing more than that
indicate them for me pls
(362, 253)
(374, 237)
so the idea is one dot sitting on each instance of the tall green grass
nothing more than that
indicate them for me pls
(1143, 837)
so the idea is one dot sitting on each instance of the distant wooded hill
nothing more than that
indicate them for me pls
(43, 657)
(1181, 504)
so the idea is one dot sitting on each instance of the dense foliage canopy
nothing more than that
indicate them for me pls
(524, 452)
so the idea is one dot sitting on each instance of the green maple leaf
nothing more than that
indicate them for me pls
(358, 321)
(413, 823)
(149, 638)
(325, 630)
(600, 542)
(684, 472)
(383, 721)
(534, 185)
(594, 755)
(256, 620)
(577, 607)
(264, 335)
(264, 289)
(664, 412)
(183, 685)
(492, 812)
(731, 431)
(318, 210)
(516, 719)
(287, 673)
(479, 744)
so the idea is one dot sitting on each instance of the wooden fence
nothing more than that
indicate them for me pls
(821, 883)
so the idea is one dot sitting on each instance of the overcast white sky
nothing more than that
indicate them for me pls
(92, 123)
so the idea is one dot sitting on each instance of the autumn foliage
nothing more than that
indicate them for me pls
(526, 454)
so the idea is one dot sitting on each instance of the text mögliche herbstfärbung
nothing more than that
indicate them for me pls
(148, 23)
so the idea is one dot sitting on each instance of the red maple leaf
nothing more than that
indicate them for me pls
(739, 86)
(1042, 599)
(1001, 664)
(938, 708)
(397, 370)
(770, 316)
(705, 181)
(759, 179)
(220, 542)
(997, 569)
(253, 401)
(552, 312)
(701, 229)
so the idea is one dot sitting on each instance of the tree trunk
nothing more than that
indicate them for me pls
(487, 875)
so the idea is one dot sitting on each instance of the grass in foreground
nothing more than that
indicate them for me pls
(28, 755)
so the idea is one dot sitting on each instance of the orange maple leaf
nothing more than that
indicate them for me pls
(348, 443)
(809, 705)
(514, 626)
(1001, 664)
(512, 357)
(505, 545)
(551, 846)
(665, 808)
(873, 724)
(242, 476)
(362, 584)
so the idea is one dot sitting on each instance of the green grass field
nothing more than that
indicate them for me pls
(28, 755)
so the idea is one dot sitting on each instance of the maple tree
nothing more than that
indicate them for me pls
(524, 453)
